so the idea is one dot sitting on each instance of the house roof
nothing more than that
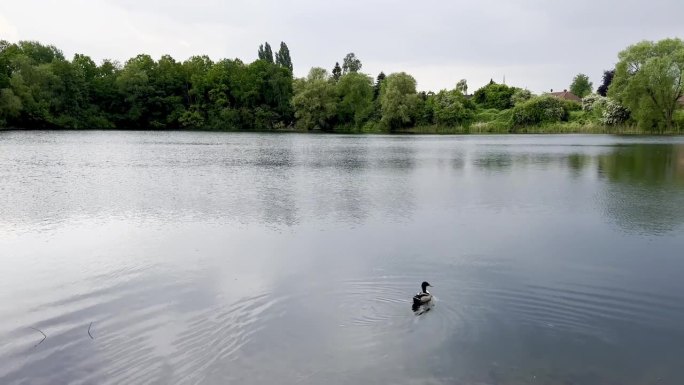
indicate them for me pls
(681, 100)
(567, 95)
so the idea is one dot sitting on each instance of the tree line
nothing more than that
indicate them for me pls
(40, 88)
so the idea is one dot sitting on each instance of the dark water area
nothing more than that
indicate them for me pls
(204, 258)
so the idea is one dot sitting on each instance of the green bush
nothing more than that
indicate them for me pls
(604, 110)
(579, 117)
(494, 96)
(594, 106)
(520, 96)
(450, 109)
(191, 120)
(494, 127)
(614, 113)
(593, 102)
(571, 105)
(505, 116)
(487, 115)
(679, 119)
(538, 110)
(372, 127)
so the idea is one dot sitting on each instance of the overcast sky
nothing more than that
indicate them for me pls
(538, 44)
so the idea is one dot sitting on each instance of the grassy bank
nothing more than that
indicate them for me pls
(564, 128)
(494, 128)
(478, 128)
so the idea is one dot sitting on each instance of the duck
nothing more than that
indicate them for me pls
(424, 296)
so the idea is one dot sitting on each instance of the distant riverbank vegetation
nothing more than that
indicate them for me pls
(41, 89)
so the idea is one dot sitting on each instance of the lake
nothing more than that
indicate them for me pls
(239, 258)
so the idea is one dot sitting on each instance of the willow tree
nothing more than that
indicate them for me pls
(398, 99)
(315, 100)
(649, 81)
(355, 92)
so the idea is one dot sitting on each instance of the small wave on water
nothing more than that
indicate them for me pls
(376, 313)
(132, 332)
(585, 310)
(148, 330)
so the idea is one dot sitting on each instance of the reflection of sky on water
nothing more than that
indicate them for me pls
(292, 258)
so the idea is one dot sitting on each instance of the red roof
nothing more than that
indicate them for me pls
(567, 95)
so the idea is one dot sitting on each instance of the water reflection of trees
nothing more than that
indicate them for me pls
(274, 183)
(646, 164)
(494, 161)
(337, 187)
(644, 187)
(578, 162)
(507, 161)
(346, 180)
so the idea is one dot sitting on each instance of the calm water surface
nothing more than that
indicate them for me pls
(204, 258)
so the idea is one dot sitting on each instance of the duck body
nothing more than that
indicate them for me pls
(423, 297)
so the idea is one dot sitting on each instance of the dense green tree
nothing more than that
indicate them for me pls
(255, 96)
(170, 93)
(135, 85)
(318, 73)
(452, 109)
(581, 86)
(425, 109)
(649, 81)
(539, 110)
(607, 79)
(34, 94)
(105, 96)
(462, 86)
(155, 92)
(222, 96)
(315, 100)
(70, 101)
(10, 106)
(91, 114)
(494, 95)
(355, 91)
(351, 63)
(196, 69)
(283, 58)
(520, 95)
(35, 86)
(398, 100)
(336, 72)
(196, 87)
(7, 53)
(259, 94)
(265, 53)
(378, 84)
(39, 53)
(39, 88)
(263, 92)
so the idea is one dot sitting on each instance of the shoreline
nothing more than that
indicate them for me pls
(410, 131)
(665, 135)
